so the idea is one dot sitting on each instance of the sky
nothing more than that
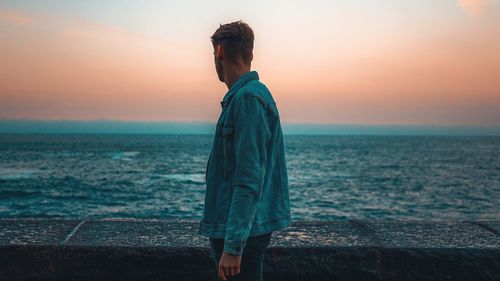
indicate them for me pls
(328, 62)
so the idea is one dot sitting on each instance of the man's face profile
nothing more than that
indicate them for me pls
(218, 62)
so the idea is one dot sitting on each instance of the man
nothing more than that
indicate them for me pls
(247, 184)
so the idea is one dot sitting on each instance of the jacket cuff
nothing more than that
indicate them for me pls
(234, 247)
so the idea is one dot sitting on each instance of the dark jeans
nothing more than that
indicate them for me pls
(251, 259)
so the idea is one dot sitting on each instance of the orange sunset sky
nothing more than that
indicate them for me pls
(352, 61)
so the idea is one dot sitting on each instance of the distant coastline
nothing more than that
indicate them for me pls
(101, 126)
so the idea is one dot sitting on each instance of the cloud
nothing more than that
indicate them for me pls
(14, 17)
(474, 7)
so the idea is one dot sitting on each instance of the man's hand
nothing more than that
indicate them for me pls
(229, 265)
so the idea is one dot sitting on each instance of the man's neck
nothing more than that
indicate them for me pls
(233, 75)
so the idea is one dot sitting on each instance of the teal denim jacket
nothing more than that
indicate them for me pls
(247, 183)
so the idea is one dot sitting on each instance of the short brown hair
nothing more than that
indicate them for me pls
(237, 40)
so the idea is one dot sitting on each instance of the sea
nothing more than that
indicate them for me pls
(330, 177)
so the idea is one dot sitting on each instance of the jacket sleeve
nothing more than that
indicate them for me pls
(251, 134)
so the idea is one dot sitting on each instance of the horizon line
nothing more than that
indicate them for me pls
(108, 126)
(3, 119)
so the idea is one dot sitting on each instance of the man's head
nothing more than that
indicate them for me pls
(233, 46)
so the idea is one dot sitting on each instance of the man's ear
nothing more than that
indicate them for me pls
(219, 52)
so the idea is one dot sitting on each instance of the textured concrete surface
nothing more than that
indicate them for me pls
(156, 249)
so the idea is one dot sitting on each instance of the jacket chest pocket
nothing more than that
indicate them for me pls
(227, 141)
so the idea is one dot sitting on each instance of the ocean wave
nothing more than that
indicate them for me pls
(125, 155)
(17, 174)
(186, 178)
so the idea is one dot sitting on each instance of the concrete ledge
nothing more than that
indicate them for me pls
(156, 249)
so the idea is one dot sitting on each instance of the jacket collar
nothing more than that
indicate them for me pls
(245, 78)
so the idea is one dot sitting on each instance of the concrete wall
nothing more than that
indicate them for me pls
(152, 249)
